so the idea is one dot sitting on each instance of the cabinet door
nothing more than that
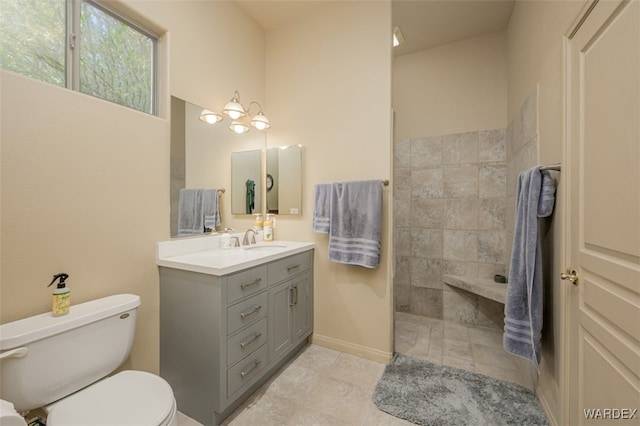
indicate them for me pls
(279, 319)
(302, 305)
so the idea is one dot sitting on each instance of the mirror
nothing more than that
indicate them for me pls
(246, 182)
(200, 154)
(284, 180)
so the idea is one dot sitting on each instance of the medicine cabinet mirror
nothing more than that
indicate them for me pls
(284, 180)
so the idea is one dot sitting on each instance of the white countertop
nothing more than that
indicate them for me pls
(203, 254)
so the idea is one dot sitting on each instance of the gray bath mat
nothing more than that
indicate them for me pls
(436, 395)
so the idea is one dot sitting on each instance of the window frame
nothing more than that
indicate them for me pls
(73, 39)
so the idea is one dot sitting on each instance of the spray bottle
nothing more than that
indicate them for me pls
(61, 299)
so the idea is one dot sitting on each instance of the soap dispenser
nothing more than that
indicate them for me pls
(225, 239)
(61, 299)
(268, 228)
(257, 223)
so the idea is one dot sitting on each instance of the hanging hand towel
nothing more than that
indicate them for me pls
(210, 208)
(250, 195)
(355, 223)
(321, 210)
(190, 219)
(523, 306)
(547, 194)
(197, 209)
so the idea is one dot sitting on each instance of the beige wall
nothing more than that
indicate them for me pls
(454, 88)
(329, 83)
(84, 191)
(535, 51)
(216, 48)
(85, 183)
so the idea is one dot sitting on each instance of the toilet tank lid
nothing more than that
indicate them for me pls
(27, 330)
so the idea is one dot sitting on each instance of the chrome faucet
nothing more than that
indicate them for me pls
(235, 241)
(245, 241)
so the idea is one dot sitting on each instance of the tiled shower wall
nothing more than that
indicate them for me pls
(454, 208)
(449, 215)
(522, 154)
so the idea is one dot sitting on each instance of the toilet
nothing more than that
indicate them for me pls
(61, 364)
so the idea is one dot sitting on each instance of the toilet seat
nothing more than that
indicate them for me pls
(127, 398)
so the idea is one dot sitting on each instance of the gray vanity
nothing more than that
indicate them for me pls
(229, 319)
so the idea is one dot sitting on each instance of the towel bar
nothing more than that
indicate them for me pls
(556, 167)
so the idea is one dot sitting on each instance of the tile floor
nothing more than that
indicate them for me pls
(473, 348)
(321, 386)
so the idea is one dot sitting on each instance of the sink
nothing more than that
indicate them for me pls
(265, 247)
(203, 254)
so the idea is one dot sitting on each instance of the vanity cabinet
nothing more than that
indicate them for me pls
(221, 337)
(289, 313)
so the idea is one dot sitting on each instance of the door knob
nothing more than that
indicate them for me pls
(571, 276)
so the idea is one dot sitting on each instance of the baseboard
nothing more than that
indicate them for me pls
(352, 348)
(545, 407)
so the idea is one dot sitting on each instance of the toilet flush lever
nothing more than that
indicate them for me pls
(14, 353)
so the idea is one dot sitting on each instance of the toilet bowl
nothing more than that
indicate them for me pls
(59, 364)
(127, 398)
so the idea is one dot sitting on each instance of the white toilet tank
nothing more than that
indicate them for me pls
(45, 358)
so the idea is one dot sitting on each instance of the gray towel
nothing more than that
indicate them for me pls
(523, 307)
(321, 210)
(210, 208)
(197, 209)
(547, 194)
(356, 222)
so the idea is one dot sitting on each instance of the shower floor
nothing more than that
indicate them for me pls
(472, 348)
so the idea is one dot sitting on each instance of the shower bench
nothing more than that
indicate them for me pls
(481, 286)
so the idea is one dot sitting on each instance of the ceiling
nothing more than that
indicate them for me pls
(424, 23)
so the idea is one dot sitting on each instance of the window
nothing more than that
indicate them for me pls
(81, 45)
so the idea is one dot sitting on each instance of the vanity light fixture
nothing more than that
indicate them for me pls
(236, 111)
(234, 108)
(259, 121)
(210, 116)
(238, 127)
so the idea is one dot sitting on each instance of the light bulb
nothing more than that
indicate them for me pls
(210, 117)
(260, 122)
(238, 127)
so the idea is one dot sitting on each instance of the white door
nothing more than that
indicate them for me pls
(603, 168)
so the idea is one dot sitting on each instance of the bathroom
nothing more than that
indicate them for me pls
(97, 174)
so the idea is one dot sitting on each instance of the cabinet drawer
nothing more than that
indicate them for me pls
(246, 312)
(246, 283)
(242, 373)
(246, 341)
(288, 267)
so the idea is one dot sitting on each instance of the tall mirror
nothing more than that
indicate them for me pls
(201, 157)
(284, 180)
